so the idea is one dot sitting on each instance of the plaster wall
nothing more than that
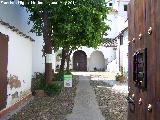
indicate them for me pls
(18, 17)
(96, 61)
(124, 48)
(19, 65)
(109, 54)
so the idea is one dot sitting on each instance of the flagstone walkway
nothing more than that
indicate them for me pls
(85, 104)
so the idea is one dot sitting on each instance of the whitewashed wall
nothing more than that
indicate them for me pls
(97, 61)
(24, 56)
(116, 20)
(120, 9)
(19, 64)
(18, 17)
(118, 53)
(111, 21)
(108, 53)
(124, 52)
(38, 60)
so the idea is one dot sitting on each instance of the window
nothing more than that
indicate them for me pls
(110, 4)
(125, 7)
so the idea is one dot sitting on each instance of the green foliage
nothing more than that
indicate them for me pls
(38, 81)
(39, 84)
(120, 77)
(71, 23)
(57, 68)
(53, 88)
(79, 23)
(117, 77)
(66, 72)
(59, 76)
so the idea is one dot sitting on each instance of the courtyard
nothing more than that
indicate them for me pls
(92, 97)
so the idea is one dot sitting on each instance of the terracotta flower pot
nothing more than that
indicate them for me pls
(121, 78)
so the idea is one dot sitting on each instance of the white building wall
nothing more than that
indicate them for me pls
(111, 21)
(19, 65)
(116, 20)
(38, 60)
(18, 17)
(125, 52)
(109, 55)
(96, 61)
(118, 53)
(122, 52)
(121, 55)
(120, 9)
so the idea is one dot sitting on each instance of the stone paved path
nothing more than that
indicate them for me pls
(85, 105)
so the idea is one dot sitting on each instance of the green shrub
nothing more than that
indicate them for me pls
(117, 77)
(66, 72)
(38, 81)
(53, 88)
(59, 76)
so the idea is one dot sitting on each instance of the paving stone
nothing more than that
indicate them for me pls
(85, 106)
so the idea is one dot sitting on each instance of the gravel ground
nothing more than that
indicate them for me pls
(113, 104)
(49, 108)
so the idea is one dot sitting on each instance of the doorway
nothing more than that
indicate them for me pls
(3, 70)
(79, 61)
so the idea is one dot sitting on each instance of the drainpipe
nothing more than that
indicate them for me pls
(120, 39)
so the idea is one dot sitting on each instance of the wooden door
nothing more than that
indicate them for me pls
(144, 60)
(80, 61)
(3, 70)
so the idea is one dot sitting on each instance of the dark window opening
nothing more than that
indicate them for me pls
(110, 4)
(125, 7)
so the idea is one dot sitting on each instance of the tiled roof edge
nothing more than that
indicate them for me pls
(14, 29)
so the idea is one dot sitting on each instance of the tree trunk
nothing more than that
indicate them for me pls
(68, 60)
(47, 50)
(63, 60)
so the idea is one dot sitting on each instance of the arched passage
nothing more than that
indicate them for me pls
(79, 61)
(97, 61)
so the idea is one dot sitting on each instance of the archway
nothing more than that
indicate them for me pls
(97, 61)
(79, 61)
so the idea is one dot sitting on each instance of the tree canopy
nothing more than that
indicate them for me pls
(72, 23)
(79, 23)
(69, 24)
